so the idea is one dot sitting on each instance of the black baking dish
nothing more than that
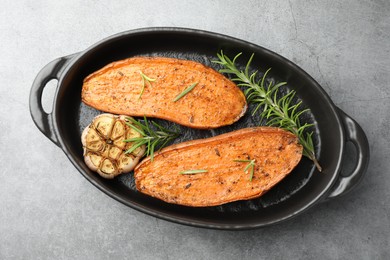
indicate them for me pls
(302, 189)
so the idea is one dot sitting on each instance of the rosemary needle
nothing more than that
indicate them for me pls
(185, 92)
(153, 136)
(192, 171)
(144, 80)
(250, 166)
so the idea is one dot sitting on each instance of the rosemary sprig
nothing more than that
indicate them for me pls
(185, 92)
(278, 111)
(192, 171)
(250, 166)
(154, 137)
(144, 80)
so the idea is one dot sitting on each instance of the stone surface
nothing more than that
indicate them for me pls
(49, 211)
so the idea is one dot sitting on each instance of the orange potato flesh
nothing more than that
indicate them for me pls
(215, 101)
(276, 153)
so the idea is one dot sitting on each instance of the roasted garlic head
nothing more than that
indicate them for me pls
(105, 148)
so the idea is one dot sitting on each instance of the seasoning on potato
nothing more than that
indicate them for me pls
(182, 91)
(239, 165)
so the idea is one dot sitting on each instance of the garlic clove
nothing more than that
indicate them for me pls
(104, 124)
(93, 161)
(119, 130)
(108, 169)
(127, 162)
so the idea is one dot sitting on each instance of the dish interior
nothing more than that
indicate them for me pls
(300, 189)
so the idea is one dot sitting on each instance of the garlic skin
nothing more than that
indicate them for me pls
(104, 146)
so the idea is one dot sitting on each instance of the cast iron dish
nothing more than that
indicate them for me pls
(302, 189)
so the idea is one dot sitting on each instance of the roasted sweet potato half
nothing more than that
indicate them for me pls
(151, 87)
(239, 165)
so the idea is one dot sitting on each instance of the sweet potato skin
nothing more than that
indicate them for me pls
(215, 101)
(276, 153)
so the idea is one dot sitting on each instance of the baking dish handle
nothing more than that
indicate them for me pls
(42, 119)
(355, 134)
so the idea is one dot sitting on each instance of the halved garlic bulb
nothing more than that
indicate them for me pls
(104, 146)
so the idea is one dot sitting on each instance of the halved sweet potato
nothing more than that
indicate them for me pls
(147, 86)
(223, 164)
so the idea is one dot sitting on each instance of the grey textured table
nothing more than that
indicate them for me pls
(49, 211)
